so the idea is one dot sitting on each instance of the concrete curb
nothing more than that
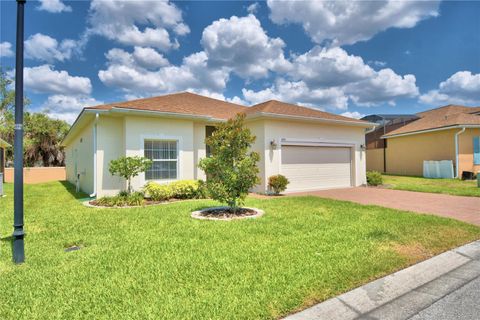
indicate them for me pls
(403, 293)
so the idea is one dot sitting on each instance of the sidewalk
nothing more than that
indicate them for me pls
(423, 291)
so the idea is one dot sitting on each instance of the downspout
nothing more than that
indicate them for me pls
(94, 194)
(457, 169)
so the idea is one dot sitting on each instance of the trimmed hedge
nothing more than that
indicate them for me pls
(182, 189)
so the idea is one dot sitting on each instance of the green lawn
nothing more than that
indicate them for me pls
(158, 263)
(454, 187)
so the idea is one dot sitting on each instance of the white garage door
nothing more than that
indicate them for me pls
(313, 167)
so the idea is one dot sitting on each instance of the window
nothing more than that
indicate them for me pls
(476, 150)
(208, 132)
(164, 154)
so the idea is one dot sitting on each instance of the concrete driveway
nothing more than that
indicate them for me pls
(461, 208)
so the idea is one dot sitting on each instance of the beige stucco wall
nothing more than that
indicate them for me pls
(137, 129)
(81, 149)
(306, 131)
(374, 160)
(258, 130)
(110, 146)
(405, 155)
(465, 148)
(199, 148)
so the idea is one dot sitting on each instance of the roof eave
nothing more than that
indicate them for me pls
(130, 111)
(457, 126)
(162, 114)
(311, 119)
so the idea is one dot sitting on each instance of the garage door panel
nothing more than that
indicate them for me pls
(309, 168)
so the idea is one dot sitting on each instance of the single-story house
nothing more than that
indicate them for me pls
(314, 149)
(3, 146)
(400, 145)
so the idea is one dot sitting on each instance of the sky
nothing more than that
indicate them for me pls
(347, 57)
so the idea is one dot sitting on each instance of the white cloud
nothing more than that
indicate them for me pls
(67, 107)
(330, 77)
(299, 93)
(377, 63)
(347, 22)
(121, 21)
(46, 48)
(54, 6)
(354, 114)
(193, 74)
(149, 58)
(242, 45)
(463, 87)
(384, 86)
(328, 67)
(6, 49)
(44, 79)
(253, 8)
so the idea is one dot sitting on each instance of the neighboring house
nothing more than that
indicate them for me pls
(314, 149)
(3, 146)
(447, 133)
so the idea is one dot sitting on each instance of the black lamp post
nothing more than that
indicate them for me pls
(18, 233)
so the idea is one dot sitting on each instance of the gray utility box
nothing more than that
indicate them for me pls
(1, 184)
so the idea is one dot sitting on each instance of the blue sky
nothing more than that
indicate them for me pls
(352, 58)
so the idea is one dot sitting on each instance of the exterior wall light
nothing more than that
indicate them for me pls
(273, 144)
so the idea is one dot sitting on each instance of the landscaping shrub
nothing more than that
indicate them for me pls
(182, 189)
(374, 178)
(158, 192)
(128, 168)
(278, 183)
(185, 189)
(232, 168)
(121, 200)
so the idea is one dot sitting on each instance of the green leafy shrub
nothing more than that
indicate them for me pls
(122, 200)
(374, 178)
(231, 169)
(158, 192)
(129, 167)
(184, 189)
(202, 192)
(136, 199)
(278, 183)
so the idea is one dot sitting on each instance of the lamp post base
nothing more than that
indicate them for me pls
(18, 246)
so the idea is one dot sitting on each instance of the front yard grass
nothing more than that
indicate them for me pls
(158, 263)
(454, 187)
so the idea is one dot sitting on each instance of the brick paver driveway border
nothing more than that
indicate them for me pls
(461, 208)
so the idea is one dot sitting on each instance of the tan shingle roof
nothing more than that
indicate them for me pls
(194, 104)
(181, 103)
(282, 108)
(447, 116)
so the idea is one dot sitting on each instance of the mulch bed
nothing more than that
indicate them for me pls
(146, 202)
(225, 213)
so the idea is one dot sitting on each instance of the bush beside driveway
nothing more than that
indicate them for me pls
(159, 263)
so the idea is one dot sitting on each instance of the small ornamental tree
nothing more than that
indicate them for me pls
(231, 169)
(129, 167)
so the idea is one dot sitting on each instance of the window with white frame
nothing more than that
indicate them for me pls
(164, 154)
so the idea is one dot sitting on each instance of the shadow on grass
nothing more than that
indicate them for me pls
(71, 189)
